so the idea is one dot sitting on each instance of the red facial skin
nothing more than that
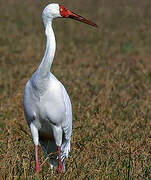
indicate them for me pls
(63, 11)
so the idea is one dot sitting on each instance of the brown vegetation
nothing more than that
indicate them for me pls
(107, 72)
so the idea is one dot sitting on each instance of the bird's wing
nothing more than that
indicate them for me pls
(67, 124)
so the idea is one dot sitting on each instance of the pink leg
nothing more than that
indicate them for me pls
(36, 157)
(59, 159)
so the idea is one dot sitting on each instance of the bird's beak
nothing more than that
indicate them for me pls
(80, 18)
(69, 14)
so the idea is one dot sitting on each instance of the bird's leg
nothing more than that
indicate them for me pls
(59, 159)
(57, 132)
(36, 157)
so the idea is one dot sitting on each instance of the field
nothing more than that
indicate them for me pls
(107, 73)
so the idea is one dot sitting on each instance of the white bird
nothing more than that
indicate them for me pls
(47, 106)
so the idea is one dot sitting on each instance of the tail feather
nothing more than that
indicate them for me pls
(50, 148)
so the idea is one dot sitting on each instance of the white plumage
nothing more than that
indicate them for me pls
(46, 103)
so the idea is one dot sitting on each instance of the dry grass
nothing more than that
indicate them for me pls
(107, 72)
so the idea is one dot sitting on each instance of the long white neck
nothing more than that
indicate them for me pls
(45, 65)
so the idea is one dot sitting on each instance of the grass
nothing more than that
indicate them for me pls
(107, 72)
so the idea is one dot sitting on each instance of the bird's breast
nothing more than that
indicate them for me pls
(48, 105)
(51, 105)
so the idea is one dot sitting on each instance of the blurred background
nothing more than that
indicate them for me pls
(107, 73)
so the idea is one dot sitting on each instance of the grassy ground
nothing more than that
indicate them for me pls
(107, 72)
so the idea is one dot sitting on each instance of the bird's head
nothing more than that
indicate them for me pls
(54, 10)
